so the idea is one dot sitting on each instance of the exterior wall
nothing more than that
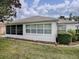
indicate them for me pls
(71, 26)
(38, 37)
(2, 29)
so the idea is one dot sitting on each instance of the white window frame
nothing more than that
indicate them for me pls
(39, 28)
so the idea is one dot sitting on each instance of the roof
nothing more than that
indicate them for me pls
(35, 19)
(67, 22)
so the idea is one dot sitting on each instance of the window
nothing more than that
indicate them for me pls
(62, 28)
(40, 28)
(19, 29)
(13, 29)
(40, 31)
(8, 29)
(33, 28)
(47, 29)
(27, 28)
(47, 26)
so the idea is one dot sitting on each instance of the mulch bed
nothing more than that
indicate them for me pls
(74, 43)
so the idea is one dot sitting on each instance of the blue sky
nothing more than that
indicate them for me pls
(45, 1)
(51, 8)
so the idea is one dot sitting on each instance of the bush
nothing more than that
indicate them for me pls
(77, 30)
(77, 36)
(64, 38)
(73, 33)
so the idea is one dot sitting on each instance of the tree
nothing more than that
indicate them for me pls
(70, 16)
(6, 8)
(76, 18)
(62, 17)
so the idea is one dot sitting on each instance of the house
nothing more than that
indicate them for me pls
(38, 28)
(65, 25)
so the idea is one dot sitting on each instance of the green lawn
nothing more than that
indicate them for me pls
(18, 49)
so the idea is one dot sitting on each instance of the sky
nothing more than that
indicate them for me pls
(50, 8)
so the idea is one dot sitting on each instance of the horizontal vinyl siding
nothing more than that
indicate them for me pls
(71, 26)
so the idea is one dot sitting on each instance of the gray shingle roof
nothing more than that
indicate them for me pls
(35, 19)
(68, 22)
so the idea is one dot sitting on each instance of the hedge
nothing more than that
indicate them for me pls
(64, 38)
(77, 31)
(77, 35)
(73, 33)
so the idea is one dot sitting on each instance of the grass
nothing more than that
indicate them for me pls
(18, 49)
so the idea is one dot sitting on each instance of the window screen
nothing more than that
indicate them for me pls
(13, 29)
(8, 29)
(19, 29)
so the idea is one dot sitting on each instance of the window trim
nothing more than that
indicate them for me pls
(39, 28)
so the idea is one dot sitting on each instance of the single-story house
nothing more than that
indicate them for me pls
(65, 25)
(37, 28)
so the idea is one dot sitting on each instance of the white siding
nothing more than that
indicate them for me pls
(38, 37)
(71, 26)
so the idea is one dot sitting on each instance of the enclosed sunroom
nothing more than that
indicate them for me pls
(37, 28)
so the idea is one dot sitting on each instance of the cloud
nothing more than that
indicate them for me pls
(35, 3)
(45, 9)
(74, 7)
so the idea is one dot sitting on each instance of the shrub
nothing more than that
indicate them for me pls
(73, 33)
(77, 30)
(77, 36)
(64, 38)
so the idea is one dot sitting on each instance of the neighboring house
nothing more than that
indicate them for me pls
(38, 28)
(2, 28)
(65, 25)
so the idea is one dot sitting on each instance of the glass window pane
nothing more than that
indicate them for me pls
(47, 31)
(61, 27)
(33, 26)
(27, 30)
(39, 26)
(27, 26)
(8, 29)
(40, 31)
(47, 26)
(13, 29)
(33, 30)
(19, 29)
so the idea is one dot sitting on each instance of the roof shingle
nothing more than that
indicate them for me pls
(35, 19)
